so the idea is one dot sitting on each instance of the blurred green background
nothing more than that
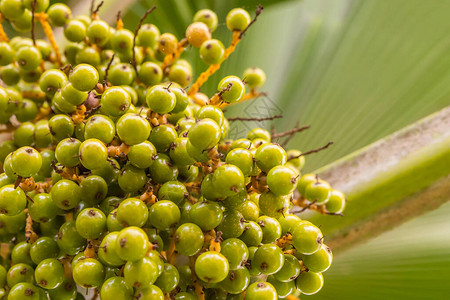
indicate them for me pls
(356, 71)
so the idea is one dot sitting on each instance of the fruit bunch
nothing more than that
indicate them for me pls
(119, 177)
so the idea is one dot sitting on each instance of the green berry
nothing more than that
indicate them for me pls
(148, 35)
(116, 288)
(115, 101)
(75, 31)
(84, 77)
(307, 238)
(235, 251)
(206, 214)
(211, 267)
(169, 278)
(318, 192)
(164, 214)
(131, 179)
(98, 32)
(336, 202)
(238, 19)
(43, 248)
(20, 273)
(208, 17)
(270, 155)
(25, 291)
(49, 274)
(162, 169)
(232, 225)
(90, 223)
(132, 212)
(309, 283)
(93, 154)
(59, 14)
(254, 77)
(107, 252)
(236, 282)
(89, 272)
(132, 244)
(283, 289)
(261, 290)
(12, 9)
(133, 129)
(272, 205)
(149, 72)
(66, 194)
(93, 189)
(26, 161)
(189, 239)
(174, 191)
(162, 137)
(233, 89)
(271, 229)
(319, 261)
(69, 240)
(160, 99)
(100, 127)
(12, 200)
(66, 152)
(141, 273)
(21, 254)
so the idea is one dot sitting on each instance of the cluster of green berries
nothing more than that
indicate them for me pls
(119, 181)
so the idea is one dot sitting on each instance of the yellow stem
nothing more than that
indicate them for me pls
(3, 36)
(170, 58)
(43, 18)
(213, 68)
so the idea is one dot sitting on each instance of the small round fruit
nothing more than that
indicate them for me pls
(307, 238)
(261, 290)
(233, 89)
(91, 223)
(115, 288)
(132, 243)
(318, 192)
(132, 212)
(93, 154)
(167, 43)
(115, 101)
(205, 134)
(59, 14)
(208, 17)
(189, 239)
(211, 267)
(309, 283)
(212, 51)
(26, 161)
(66, 194)
(197, 33)
(133, 129)
(160, 99)
(269, 155)
(164, 214)
(84, 77)
(238, 19)
(269, 259)
(336, 202)
(254, 77)
(49, 274)
(12, 200)
(319, 261)
(88, 273)
(141, 273)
